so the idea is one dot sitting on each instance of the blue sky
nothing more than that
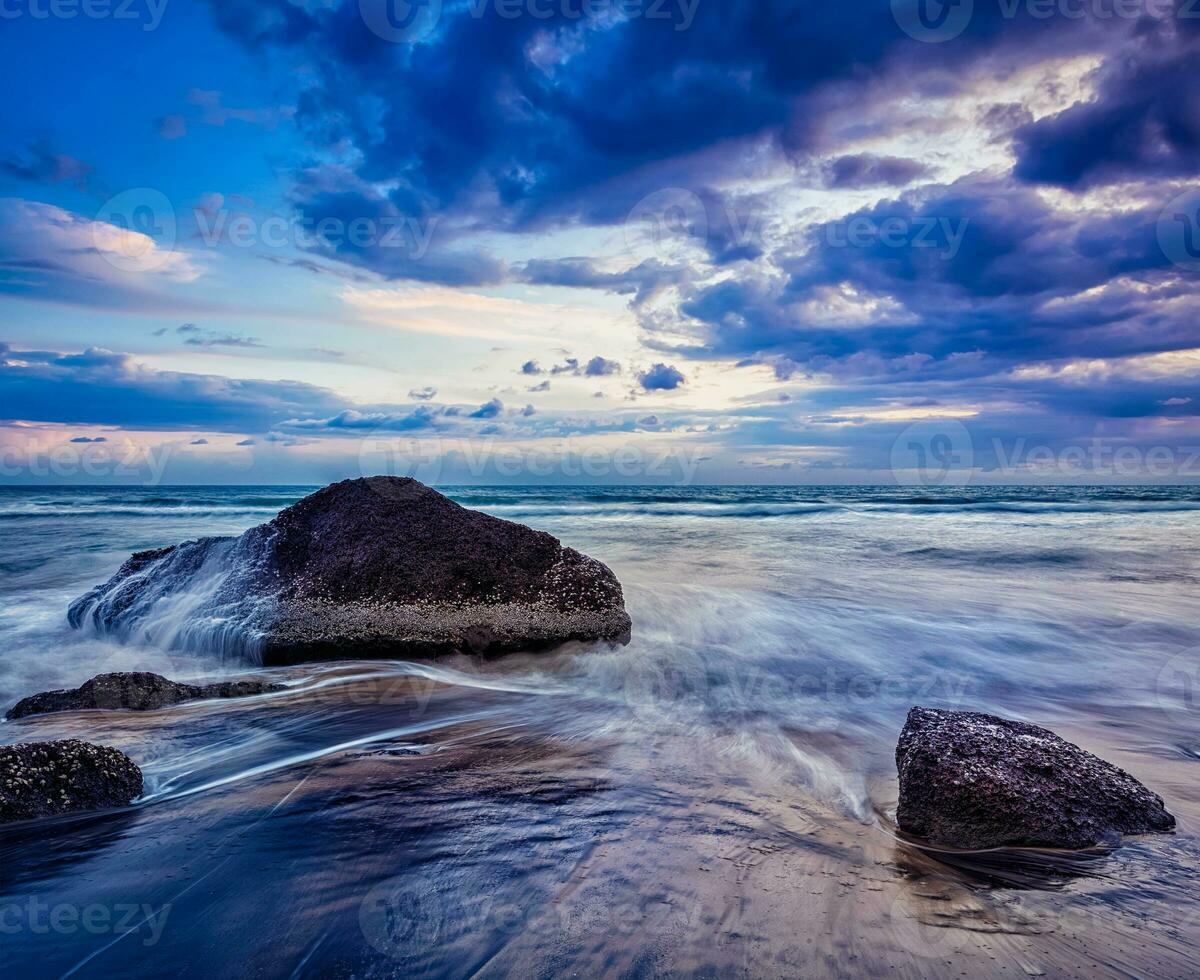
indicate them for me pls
(600, 240)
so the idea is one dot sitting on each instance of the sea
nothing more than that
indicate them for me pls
(717, 798)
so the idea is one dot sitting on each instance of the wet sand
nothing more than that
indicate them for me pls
(370, 824)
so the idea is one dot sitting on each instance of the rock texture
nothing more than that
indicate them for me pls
(379, 567)
(975, 781)
(44, 779)
(134, 692)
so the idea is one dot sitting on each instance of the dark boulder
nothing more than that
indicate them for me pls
(379, 567)
(136, 691)
(976, 781)
(44, 779)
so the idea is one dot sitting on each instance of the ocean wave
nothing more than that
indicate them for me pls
(1053, 507)
(11, 512)
(711, 510)
(195, 596)
(986, 558)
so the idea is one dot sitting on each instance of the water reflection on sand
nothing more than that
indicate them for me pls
(368, 822)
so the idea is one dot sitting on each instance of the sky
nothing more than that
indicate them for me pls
(600, 241)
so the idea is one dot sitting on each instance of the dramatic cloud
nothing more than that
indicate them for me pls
(964, 276)
(1144, 121)
(809, 225)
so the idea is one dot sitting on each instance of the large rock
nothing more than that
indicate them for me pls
(379, 567)
(975, 781)
(44, 779)
(136, 691)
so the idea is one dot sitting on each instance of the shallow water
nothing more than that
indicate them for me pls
(713, 799)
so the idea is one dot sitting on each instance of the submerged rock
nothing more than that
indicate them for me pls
(44, 779)
(378, 567)
(976, 781)
(136, 691)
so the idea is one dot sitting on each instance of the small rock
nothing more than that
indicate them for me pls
(44, 779)
(135, 691)
(976, 781)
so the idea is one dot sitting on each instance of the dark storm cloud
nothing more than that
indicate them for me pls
(526, 124)
(969, 274)
(521, 122)
(1143, 123)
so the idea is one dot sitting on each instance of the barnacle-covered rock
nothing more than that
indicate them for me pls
(133, 691)
(975, 781)
(45, 779)
(377, 567)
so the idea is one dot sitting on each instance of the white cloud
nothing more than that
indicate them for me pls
(50, 253)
